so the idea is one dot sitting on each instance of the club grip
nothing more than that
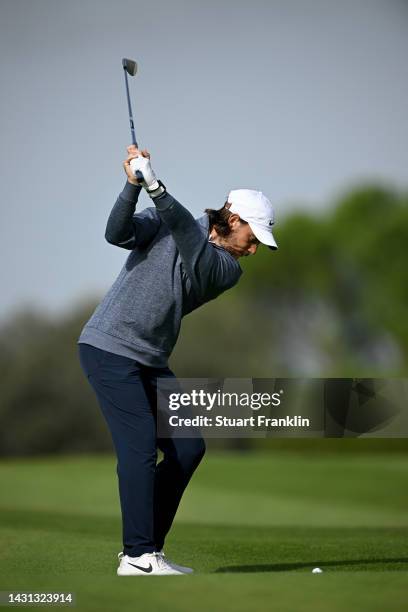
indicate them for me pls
(139, 176)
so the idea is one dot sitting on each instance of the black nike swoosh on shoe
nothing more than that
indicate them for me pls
(144, 569)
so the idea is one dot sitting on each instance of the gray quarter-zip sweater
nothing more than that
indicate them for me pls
(171, 270)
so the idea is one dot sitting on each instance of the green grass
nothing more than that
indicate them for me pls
(253, 526)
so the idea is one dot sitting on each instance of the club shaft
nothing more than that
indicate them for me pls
(139, 175)
(132, 126)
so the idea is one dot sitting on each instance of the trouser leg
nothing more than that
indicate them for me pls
(181, 456)
(173, 473)
(127, 411)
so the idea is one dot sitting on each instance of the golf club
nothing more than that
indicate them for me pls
(130, 67)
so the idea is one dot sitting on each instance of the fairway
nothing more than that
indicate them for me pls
(252, 525)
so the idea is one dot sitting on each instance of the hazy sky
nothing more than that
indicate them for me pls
(298, 98)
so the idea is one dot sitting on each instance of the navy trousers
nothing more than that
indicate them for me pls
(149, 492)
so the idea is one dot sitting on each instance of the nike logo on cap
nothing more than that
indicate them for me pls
(144, 569)
(270, 222)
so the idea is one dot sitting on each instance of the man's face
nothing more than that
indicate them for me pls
(241, 241)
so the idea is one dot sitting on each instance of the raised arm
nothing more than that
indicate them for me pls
(124, 228)
(119, 229)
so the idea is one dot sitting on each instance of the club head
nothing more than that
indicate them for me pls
(130, 66)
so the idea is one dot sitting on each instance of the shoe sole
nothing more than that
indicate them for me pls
(151, 574)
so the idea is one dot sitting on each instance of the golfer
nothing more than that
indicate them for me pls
(176, 263)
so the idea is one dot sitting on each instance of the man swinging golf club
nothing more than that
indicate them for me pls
(176, 264)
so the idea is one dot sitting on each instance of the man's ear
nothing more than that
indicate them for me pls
(233, 219)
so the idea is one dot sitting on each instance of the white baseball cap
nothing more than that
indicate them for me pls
(254, 208)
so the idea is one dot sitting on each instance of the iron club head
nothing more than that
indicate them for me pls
(130, 66)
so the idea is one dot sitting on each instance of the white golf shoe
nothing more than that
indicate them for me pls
(180, 568)
(148, 564)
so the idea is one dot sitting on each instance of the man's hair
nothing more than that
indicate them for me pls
(218, 219)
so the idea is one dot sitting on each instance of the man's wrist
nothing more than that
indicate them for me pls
(155, 189)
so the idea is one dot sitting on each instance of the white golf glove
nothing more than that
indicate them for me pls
(143, 164)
